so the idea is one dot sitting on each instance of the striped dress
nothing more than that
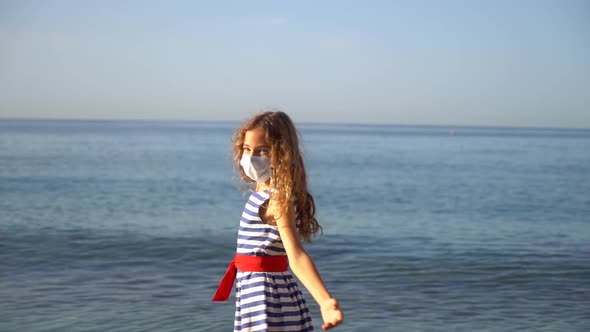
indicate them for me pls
(266, 301)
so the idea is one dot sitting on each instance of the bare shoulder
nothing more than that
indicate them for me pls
(274, 214)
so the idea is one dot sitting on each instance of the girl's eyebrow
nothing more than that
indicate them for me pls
(256, 147)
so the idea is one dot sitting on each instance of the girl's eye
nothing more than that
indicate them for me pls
(246, 149)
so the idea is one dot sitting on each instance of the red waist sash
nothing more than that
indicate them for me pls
(247, 263)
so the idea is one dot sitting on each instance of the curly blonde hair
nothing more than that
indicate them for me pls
(288, 180)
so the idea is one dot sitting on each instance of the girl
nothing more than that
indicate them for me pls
(278, 215)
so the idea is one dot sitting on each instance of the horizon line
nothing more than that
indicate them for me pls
(358, 124)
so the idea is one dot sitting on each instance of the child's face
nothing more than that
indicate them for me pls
(255, 143)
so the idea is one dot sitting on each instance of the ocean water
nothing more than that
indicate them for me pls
(129, 226)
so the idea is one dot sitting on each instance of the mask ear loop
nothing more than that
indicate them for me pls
(272, 176)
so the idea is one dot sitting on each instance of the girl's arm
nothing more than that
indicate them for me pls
(304, 268)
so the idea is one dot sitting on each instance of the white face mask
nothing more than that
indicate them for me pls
(257, 168)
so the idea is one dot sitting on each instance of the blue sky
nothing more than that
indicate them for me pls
(506, 63)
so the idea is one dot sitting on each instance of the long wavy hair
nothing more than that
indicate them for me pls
(288, 180)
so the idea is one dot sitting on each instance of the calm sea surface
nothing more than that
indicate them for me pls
(129, 226)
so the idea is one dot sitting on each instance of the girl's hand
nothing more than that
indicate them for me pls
(331, 314)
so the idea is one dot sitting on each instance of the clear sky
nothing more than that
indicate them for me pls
(507, 63)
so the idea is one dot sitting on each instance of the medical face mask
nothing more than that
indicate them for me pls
(256, 168)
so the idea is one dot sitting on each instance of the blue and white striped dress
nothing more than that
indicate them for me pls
(266, 301)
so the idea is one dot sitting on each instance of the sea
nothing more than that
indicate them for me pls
(129, 225)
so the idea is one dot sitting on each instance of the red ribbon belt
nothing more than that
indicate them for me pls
(247, 263)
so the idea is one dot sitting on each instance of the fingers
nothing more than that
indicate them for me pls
(329, 325)
(331, 313)
(332, 322)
